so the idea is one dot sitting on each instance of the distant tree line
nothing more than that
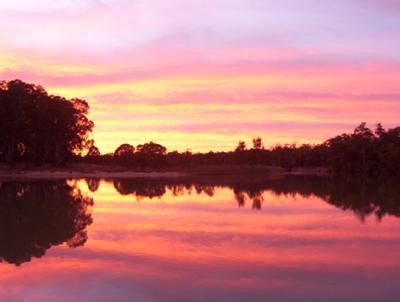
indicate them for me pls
(364, 151)
(39, 128)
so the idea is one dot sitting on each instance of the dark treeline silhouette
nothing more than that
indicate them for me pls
(34, 216)
(362, 196)
(36, 127)
(362, 152)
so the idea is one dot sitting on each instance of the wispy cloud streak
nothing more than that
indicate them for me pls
(207, 73)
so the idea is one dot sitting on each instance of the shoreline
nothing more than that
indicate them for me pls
(79, 171)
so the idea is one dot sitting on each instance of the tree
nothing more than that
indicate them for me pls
(93, 151)
(38, 127)
(152, 149)
(363, 130)
(241, 147)
(124, 150)
(362, 139)
(258, 144)
(379, 130)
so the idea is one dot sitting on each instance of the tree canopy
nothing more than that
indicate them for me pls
(152, 149)
(364, 151)
(38, 127)
(124, 150)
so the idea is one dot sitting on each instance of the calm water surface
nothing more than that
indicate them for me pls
(230, 239)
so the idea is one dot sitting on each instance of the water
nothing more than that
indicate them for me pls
(211, 239)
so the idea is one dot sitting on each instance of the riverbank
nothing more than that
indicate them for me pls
(101, 171)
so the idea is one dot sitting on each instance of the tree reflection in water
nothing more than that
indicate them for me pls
(141, 188)
(93, 184)
(34, 216)
(363, 197)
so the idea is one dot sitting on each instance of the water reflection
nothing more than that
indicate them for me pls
(363, 197)
(93, 184)
(35, 216)
(141, 188)
(200, 239)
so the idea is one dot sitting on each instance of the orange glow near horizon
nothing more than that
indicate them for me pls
(225, 74)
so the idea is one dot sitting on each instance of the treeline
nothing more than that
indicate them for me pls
(38, 128)
(364, 151)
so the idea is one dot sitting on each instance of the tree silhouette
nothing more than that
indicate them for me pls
(124, 150)
(241, 147)
(258, 144)
(151, 149)
(38, 127)
(93, 151)
(34, 216)
(379, 130)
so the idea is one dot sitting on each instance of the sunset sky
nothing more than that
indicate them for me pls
(203, 74)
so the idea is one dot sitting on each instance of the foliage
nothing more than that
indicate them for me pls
(362, 152)
(124, 150)
(38, 127)
(152, 149)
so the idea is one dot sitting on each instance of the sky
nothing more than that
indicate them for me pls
(202, 75)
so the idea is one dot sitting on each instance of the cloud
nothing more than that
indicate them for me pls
(185, 70)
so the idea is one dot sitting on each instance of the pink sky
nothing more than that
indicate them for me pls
(204, 74)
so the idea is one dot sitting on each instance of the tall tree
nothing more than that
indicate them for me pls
(38, 127)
